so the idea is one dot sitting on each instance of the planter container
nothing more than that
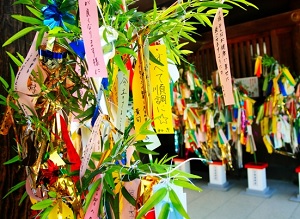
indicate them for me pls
(296, 198)
(217, 176)
(257, 181)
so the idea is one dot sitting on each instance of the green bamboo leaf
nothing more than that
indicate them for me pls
(188, 37)
(177, 204)
(164, 212)
(35, 12)
(185, 174)
(157, 197)
(92, 165)
(73, 28)
(20, 34)
(27, 19)
(42, 204)
(52, 194)
(146, 132)
(15, 187)
(186, 184)
(3, 81)
(144, 150)
(91, 193)
(127, 196)
(154, 10)
(119, 62)
(156, 38)
(46, 212)
(40, 36)
(12, 160)
(24, 196)
(14, 59)
(215, 5)
(110, 180)
(125, 50)
(153, 59)
(141, 143)
(12, 76)
(23, 2)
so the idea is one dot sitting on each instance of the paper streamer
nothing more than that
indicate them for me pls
(127, 210)
(94, 141)
(21, 81)
(123, 97)
(222, 57)
(92, 211)
(160, 87)
(90, 34)
(139, 101)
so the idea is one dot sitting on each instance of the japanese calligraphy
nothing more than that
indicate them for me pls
(90, 34)
(160, 89)
(222, 57)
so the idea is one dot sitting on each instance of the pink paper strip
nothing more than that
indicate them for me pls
(222, 57)
(90, 34)
(21, 85)
(92, 211)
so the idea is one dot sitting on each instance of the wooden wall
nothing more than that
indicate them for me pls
(10, 175)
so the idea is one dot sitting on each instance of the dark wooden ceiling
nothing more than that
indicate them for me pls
(236, 15)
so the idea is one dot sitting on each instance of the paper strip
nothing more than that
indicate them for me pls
(160, 87)
(222, 57)
(90, 34)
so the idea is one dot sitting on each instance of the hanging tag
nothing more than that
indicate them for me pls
(222, 57)
(93, 208)
(126, 209)
(21, 81)
(90, 34)
(93, 140)
(139, 101)
(160, 87)
(123, 97)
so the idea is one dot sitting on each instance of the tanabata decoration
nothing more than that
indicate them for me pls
(87, 101)
(211, 128)
(279, 115)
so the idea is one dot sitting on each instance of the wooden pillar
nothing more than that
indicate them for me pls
(10, 175)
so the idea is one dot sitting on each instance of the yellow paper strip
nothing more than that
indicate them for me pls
(160, 87)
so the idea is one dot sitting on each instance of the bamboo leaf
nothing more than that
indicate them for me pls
(177, 204)
(215, 5)
(46, 212)
(3, 81)
(14, 59)
(164, 212)
(24, 2)
(119, 62)
(128, 197)
(91, 193)
(185, 174)
(27, 19)
(125, 50)
(20, 34)
(52, 194)
(42, 204)
(157, 197)
(12, 160)
(37, 13)
(23, 197)
(144, 150)
(186, 184)
(153, 59)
